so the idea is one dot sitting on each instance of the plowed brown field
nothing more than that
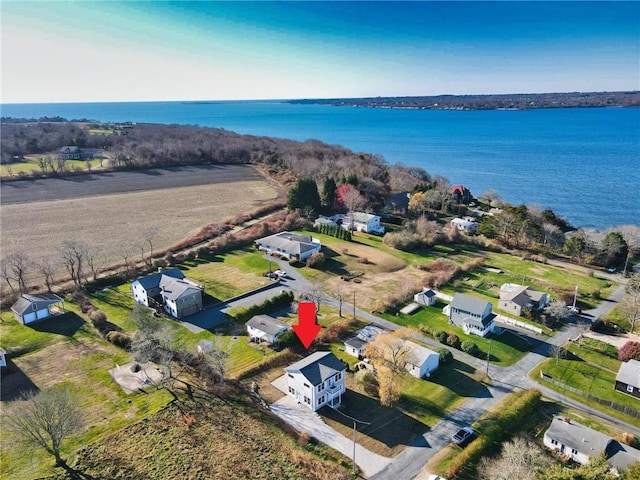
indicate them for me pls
(115, 223)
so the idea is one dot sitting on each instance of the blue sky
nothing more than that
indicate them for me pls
(153, 50)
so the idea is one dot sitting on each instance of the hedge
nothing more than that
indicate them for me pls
(495, 427)
(270, 305)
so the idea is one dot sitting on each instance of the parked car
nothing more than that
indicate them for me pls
(436, 477)
(280, 273)
(573, 309)
(463, 436)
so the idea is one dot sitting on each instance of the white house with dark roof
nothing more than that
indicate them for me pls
(290, 245)
(581, 444)
(425, 297)
(177, 295)
(356, 343)
(317, 380)
(472, 314)
(265, 328)
(32, 308)
(628, 378)
(515, 298)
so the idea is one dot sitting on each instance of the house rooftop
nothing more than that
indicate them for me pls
(469, 304)
(174, 288)
(153, 281)
(266, 324)
(289, 242)
(317, 367)
(575, 435)
(40, 301)
(629, 373)
(622, 456)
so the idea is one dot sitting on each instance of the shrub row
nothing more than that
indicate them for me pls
(335, 231)
(270, 305)
(496, 427)
(277, 360)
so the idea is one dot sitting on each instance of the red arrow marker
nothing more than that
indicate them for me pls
(306, 329)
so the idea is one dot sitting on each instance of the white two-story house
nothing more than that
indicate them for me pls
(317, 380)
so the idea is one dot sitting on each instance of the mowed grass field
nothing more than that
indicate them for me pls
(114, 224)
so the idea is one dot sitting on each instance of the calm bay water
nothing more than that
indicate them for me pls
(583, 163)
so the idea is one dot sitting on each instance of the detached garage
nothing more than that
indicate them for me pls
(32, 308)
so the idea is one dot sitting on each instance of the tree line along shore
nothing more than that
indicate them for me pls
(517, 101)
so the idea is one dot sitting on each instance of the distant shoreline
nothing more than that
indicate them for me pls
(504, 102)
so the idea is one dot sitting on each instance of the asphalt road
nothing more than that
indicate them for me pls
(95, 184)
(505, 380)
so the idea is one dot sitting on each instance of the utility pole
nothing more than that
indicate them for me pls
(488, 357)
(354, 304)
(353, 458)
(575, 297)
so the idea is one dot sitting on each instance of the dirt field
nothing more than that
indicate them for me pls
(114, 223)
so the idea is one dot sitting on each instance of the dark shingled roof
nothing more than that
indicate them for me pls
(317, 367)
(34, 302)
(153, 280)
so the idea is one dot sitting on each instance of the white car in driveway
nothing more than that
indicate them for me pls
(280, 273)
(436, 477)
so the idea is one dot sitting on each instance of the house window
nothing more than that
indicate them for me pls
(554, 442)
(574, 451)
(307, 385)
(307, 400)
(290, 376)
(321, 400)
(630, 388)
(292, 391)
(338, 376)
(321, 387)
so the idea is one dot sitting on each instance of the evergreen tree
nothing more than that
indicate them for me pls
(304, 194)
(328, 192)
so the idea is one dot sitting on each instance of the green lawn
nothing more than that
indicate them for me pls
(506, 349)
(30, 164)
(589, 372)
(615, 316)
(229, 274)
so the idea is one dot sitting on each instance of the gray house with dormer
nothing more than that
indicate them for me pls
(472, 314)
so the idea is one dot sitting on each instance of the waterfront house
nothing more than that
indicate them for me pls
(460, 194)
(466, 225)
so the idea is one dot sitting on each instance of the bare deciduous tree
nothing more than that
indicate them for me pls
(17, 265)
(149, 236)
(45, 419)
(315, 293)
(557, 310)
(520, 458)
(558, 352)
(74, 255)
(48, 271)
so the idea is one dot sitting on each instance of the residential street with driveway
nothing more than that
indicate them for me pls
(410, 462)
